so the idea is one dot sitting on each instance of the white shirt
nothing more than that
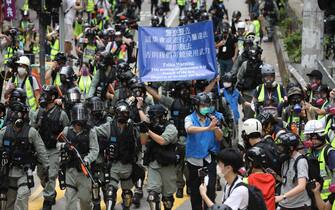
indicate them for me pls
(236, 198)
(69, 9)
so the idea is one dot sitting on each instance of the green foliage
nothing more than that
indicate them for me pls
(291, 35)
(292, 45)
(286, 26)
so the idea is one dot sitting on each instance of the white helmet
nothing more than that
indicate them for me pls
(252, 125)
(24, 60)
(240, 24)
(314, 126)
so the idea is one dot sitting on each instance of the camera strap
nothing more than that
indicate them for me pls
(68, 10)
(230, 189)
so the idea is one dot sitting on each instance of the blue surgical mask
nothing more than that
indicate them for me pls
(205, 110)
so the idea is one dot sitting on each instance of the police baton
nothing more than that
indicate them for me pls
(83, 166)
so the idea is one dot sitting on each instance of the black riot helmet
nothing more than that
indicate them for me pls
(202, 99)
(287, 143)
(60, 58)
(182, 89)
(73, 95)
(204, 16)
(19, 95)
(255, 157)
(200, 85)
(137, 88)
(202, 103)
(154, 21)
(67, 74)
(266, 118)
(95, 104)
(79, 114)
(183, 20)
(236, 14)
(48, 95)
(19, 114)
(158, 118)
(255, 52)
(122, 111)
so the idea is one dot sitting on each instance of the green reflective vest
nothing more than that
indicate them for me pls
(78, 28)
(84, 84)
(261, 96)
(9, 53)
(181, 2)
(329, 122)
(57, 81)
(54, 50)
(90, 6)
(325, 173)
(25, 6)
(89, 53)
(257, 26)
(322, 107)
(32, 102)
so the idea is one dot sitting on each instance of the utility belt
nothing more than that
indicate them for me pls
(164, 155)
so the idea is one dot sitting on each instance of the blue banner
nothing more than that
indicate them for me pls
(173, 54)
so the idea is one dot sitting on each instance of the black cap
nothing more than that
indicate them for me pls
(315, 73)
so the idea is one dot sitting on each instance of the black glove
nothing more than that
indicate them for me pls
(144, 127)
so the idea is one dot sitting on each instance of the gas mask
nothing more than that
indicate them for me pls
(21, 71)
(185, 93)
(284, 153)
(17, 118)
(269, 82)
(157, 124)
(45, 99)
(314, 136)
(319, 102)
(137, 92)
(314, 86)
(123, 117)
(297, 108)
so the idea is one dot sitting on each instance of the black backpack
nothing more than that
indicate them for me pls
(256, 199)
(271, 152)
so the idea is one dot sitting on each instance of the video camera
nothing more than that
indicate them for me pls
(11, 63)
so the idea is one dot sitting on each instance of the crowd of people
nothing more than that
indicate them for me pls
(95, 127)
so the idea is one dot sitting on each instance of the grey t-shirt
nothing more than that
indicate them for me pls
(288, 170)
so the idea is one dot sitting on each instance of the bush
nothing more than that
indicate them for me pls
(292, 45)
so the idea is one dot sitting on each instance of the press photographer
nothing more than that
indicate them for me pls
(202, 131)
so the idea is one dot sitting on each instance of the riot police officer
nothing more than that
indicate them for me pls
(180, 106)
(67, 78)
(50, 121)
(18, 144)
(97, 114)
(160, 138)
(78, 137)
(16, 95)
(120, 150)
(249, 76)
